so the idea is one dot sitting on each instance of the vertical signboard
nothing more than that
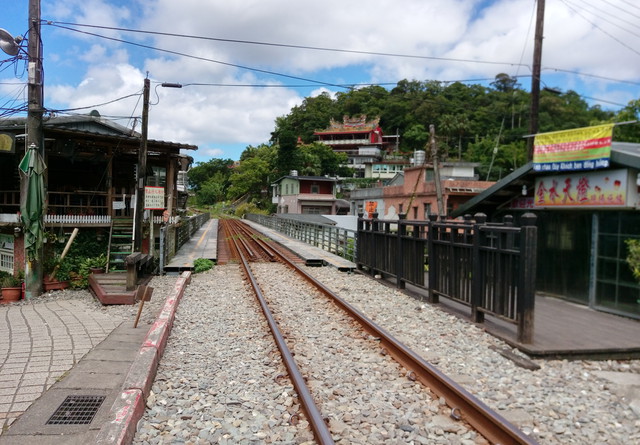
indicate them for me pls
(153, 198)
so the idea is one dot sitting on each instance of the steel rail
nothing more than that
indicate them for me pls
(316, 421)
(463, 404)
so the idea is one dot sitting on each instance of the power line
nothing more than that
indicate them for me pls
(599, 28)
(622, 9)
(202, 58)
(601, 12)
(93, 106)
(630, 82)
(282, 45)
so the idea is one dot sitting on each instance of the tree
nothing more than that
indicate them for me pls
(287, 154)
(629, 132)
(251, 179)
(203, 171)
(313, 114)
(318, 159)
(416, 137)
(505, 83)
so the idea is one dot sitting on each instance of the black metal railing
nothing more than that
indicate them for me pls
(333, 239)
(489, 267)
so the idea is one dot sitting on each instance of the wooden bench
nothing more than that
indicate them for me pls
(135, 263)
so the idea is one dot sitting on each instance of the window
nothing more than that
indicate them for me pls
(315, 189)
(400, 208)
(427, 210)
(158, 178)
(616, 288)
(6, 253)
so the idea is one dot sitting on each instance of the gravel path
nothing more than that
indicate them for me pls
(220, 378)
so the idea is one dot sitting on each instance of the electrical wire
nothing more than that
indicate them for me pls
(205, 59)
(599, 28)
(250, 42)
(62, 110)
(280, 45)
(600, 12)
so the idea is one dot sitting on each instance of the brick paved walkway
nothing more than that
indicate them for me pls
(39, 343)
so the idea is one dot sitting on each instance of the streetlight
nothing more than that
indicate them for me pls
(8, 43)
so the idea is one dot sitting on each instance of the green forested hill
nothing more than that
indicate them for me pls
(471, 123)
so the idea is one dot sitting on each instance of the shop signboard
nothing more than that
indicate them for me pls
(588, 189)
(586, 148)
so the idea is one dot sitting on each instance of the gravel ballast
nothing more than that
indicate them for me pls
(221, 379)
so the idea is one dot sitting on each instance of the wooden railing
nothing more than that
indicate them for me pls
(489, 267)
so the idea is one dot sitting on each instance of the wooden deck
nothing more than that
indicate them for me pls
(566, 330)
(111, 288)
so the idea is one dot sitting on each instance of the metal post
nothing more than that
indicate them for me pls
(432, 296)
(163, 231)
(477, 277)
(358, 245)
(400, 284)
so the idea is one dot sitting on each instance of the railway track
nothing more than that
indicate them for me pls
(297, 344)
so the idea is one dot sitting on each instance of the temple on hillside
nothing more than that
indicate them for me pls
(362, 140)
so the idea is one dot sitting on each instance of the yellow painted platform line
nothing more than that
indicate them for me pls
(201, 238)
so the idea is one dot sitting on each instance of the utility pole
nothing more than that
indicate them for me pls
(35, 134)
(141, 174)
(535, 78)
(436, 169)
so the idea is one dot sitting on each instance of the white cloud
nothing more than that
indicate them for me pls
(218, 117)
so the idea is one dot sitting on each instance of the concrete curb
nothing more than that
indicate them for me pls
(129, 408)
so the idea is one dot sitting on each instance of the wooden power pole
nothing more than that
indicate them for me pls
(35, 135)
(535, 78)
(436, 170)
(141, 174)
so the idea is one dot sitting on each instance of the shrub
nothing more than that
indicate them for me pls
(633, 257)
(11, 281)
(202, 265)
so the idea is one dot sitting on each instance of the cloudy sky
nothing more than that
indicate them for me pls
(246, 62)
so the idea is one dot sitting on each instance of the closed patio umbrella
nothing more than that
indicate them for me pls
(32, 207)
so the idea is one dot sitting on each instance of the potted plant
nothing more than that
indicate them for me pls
(97, 264)
(57, 275)
(11, 289)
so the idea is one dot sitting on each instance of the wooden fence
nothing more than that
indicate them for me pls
(489, 267)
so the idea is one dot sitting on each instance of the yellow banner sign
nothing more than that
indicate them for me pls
(578, 149)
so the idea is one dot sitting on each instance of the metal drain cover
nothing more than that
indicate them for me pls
(76, 410)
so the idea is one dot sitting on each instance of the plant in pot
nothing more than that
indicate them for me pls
(96, 264)
(11, 289)
(56, 274)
